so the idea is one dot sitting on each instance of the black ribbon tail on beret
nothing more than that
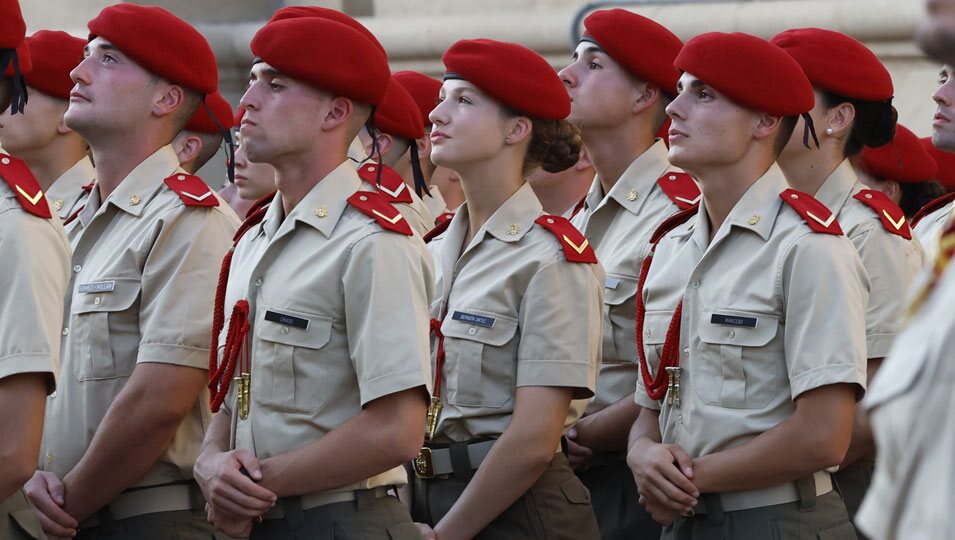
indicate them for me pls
(420, 187)
(227, 138)
(18, 94)
(809, 130)
(375, 148)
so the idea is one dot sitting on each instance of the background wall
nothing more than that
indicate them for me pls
(416, 32)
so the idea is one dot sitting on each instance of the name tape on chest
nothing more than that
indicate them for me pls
(611, 283)
(733, 320)
(480, 320)
(97, 287)
(286, 319)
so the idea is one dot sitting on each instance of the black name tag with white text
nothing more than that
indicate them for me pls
(733, 320)
(287, 320)
(479, 320)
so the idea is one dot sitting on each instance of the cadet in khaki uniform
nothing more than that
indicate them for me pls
(127, 421)
(56, 154)
(934, 217)
(620, 81)
(853, 95)
(752, 318)
(328, 292)
(517, 324)
(31, 309)
(199, 141)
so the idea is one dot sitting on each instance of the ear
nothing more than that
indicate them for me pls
(385, 143)
(61, 128)
(839, 119)
(340, 111)
(584, 162)
(521, 128)
(187, 147)
(893, 190)
(646, 95)
(424, 147)
(766, 126)
(171, 97)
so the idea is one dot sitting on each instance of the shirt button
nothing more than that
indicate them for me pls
(686, 352)
(53, 394)
(77, 268)
(646, 334)
(258, 282)
(97, 301)
(50, 457)
(285, 330)
(732, 334)
(66, 331)
(696, 284)
(472, 331)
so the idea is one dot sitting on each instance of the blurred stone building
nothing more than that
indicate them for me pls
(416, 32)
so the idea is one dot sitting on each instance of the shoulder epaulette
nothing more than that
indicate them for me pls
(192, 190)
(437, 230)
(680, 188)
(392, 187)
(891, 216)
(261, 203)
(931, 207)
(443, 218)
(378, 208)
(819, 218)
(576, 248)
(25, 186)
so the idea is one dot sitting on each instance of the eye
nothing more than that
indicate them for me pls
(275, 87)
(108, 58)
(464, 100)
(942, 79)
(593, 65)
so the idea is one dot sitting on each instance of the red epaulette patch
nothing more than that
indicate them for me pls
(680, 188)
(579, 206)
(373, 204)
(444, 218)
(891, 216)
(819, 218)
(392, 186)
(438, 229)
(192, 190)
(24, 185)
(89, 187)
(576, 248)
(931, 207)
(261, 203)
(253, 217)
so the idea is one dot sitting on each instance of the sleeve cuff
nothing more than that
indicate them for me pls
(19, 363)
(827, 375)
(177, 355)
(581, 376)
(878, 345)
(641, 398)
(392, 383)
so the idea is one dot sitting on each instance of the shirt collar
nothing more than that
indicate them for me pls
(756, 210)
(633, 187)
(70, 183)
(144, 182)
(511, 221)
(322, 207)
(837, 189)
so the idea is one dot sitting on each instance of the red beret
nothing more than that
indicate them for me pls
(239, 115)
(55, 54)
(201, 122)
(751, 71)
(351, 65)
(398, 114)
(837, 63)
(510, 73)
(423, 89)
(945, 161)
(902, 160)
(296, 12)
(161, 43)
(12, 31)
(643, 47)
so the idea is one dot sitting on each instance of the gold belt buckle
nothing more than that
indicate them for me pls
(423, 465)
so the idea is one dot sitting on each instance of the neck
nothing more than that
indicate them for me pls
(613, 150)
(295, 177)
(487, 185)
(810, 169)
(50, 162)
(116, 156)
(560, 193)
(723, 186)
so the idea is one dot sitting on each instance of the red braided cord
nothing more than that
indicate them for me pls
(439, 356)
(234, 344)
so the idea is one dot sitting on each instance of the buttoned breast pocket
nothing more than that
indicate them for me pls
(655, 327)
(481, 358)
(290, 367)
(740, 365)
(619, 342)
(104, 329)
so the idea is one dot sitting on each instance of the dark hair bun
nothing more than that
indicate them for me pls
(883, 125)
(555, 146)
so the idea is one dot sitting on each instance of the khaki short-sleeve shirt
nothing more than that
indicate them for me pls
(619, 225)
(435, 203)
(910, 405)
(770, 311)
(339, 318)
(143, 275)
(515, 313)
(930, 227)
(891, 261)
(67, 195)
(33, 278)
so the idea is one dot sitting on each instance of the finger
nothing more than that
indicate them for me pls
(574, 448)
(658, 496)
(572, 433)
(252, 506)
(225, 505)
(244, 484)
(43, 504)
(54, 487)
(681, 483)
(684, 461)
(52, 528)
(250, 462)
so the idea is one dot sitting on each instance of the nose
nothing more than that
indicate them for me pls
(567, 76)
